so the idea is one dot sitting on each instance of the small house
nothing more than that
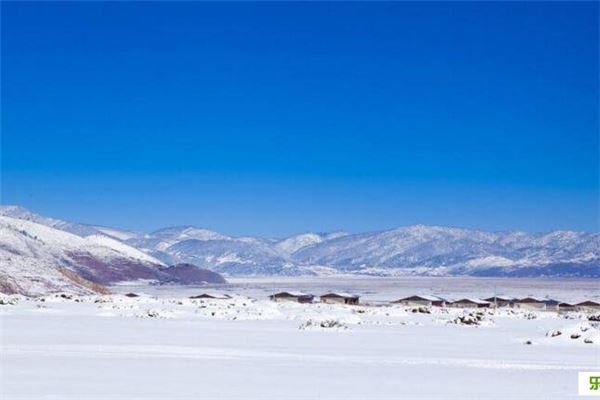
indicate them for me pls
(500, 301)
(469, 303)
(339, 298)
(552, 305)
(214, 296)
(421, 300)
(588, 306)
(530, 303)
(566, 307)
(297, 297)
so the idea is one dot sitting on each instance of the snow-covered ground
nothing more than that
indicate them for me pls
(166, 346)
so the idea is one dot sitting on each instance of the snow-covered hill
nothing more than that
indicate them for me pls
(36, 259)
(71, 227)
(157, 243)
(30, 251)
(208, 249)
(295, 243)
(235, 256)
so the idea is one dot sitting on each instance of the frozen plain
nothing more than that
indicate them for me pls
(165, 346)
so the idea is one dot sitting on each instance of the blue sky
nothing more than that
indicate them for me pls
(276, 118)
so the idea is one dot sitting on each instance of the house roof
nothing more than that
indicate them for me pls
(530, 299)
(471, 300)
(211, 296)
(340, 294)
(588, 303)
(501, 298)
(422, 296)
(551, 301)
(565, 304)
(293, 294)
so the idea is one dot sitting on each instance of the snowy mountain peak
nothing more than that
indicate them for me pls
(12, 209)
(187, 232)
(433, 230)
(295, 243)
(19, 212)
(334, 234)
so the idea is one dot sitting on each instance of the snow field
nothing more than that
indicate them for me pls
(117, 347)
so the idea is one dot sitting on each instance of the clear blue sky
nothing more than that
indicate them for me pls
(276, 118)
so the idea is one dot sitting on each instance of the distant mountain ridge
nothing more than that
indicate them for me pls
(411, 250)
(434, 250)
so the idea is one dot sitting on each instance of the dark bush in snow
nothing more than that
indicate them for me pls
(325, 324)
(8, 301)
(470, 318)
(594, 317)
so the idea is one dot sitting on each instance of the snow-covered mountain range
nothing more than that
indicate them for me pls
(434, 250)
(412, 250)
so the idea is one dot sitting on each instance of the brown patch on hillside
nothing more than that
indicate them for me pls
(114, 270)
(83, 282)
